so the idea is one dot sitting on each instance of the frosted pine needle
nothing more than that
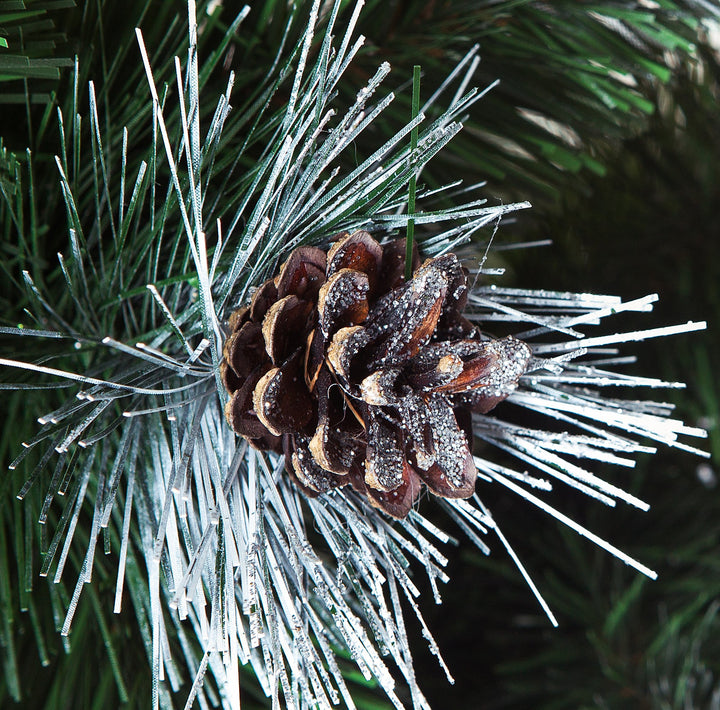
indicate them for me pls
(230, 569)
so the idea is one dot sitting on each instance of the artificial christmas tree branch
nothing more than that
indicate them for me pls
(160, 251)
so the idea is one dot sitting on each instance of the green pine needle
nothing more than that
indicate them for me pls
(409, 239)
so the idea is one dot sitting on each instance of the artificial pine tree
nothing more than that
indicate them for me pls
(178, 189)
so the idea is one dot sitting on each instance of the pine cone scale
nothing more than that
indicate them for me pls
(302, 274)
(342, 300)
(283, 327)
(281, 400)
(359, 252)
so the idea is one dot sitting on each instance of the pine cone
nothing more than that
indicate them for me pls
(361, 378)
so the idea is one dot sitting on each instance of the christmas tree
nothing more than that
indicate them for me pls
(285, 355)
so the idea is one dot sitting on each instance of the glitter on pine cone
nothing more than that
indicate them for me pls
(363, 379)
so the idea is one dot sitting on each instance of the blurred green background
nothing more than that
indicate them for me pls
(606, 118)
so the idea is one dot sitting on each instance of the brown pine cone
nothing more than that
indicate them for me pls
(361, 378)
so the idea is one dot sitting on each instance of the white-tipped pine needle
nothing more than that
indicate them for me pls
(523, 572)
(622, 337)
(581, 530)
